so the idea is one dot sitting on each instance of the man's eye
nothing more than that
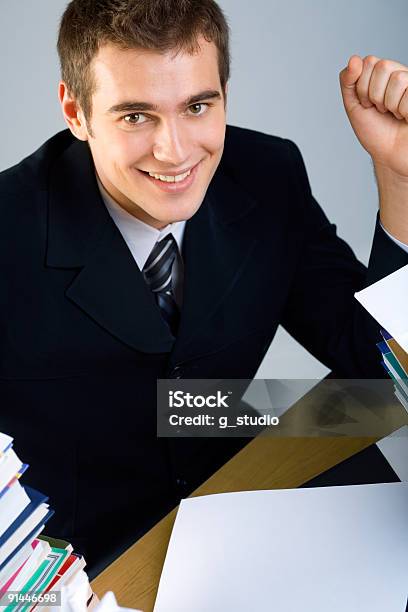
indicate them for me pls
(135, 118)
(198, 109)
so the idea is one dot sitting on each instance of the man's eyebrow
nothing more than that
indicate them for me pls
(209, 94)
(134, 106)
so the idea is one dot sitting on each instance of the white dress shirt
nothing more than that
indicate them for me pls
(401, 244)
(141, 238)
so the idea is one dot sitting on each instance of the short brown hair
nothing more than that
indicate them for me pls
(160, 25)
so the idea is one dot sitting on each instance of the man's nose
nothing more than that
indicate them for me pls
(171, 143)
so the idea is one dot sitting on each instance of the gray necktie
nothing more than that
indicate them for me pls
(157, 274)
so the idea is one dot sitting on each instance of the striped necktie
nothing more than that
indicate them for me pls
(157, 274)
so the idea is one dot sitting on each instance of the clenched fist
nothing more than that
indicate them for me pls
(375, 96)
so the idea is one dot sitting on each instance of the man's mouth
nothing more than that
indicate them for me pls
(172, 183)
(170, 178)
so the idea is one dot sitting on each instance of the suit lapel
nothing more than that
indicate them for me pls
(111, 289)
(109, 286)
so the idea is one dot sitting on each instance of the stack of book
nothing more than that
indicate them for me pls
(33, 568)
(395, 362)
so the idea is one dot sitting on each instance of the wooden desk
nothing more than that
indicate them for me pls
(265, 463)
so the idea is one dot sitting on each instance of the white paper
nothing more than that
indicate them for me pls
(401, 398)
(395, 450)
(334, 548)
(108, 603)
(386, 300)
(75, 596)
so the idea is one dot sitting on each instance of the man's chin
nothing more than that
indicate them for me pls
(176, 214)
(164, 221)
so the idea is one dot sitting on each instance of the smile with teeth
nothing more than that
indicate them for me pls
(170, 179)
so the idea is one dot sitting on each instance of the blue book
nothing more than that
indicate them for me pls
(27, 539)
(36, 498)
(383, 348)
(386, 335)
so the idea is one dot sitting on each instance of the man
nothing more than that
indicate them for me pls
(146, 242)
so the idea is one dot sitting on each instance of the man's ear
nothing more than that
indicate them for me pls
(73, 115)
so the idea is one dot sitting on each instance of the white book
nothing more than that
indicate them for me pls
(38, 555)
(69, 575)
(23, 531)
(10, 465)
(5, 442)
(15, 562)
(12, 503)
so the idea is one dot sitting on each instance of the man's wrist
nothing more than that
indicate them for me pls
(393, 197)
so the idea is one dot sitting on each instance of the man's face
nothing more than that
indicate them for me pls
(157, 114)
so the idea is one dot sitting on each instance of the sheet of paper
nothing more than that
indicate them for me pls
(395, 450)
(386, 301)
(334, 548)
(401, 397)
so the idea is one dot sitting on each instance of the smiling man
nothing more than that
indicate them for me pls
(150, 241)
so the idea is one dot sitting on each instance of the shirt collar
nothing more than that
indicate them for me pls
(139, 237)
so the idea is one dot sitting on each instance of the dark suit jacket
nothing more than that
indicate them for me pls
(82, 341)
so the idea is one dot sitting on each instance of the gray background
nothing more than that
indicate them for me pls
(286, 60)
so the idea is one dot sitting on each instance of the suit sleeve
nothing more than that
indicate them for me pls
(321, 311)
